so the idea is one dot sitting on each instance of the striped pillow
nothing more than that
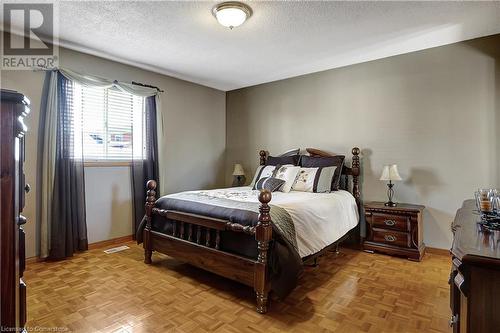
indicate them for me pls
(269, 183)
(262, 172)
(317, 180)
(323, 162)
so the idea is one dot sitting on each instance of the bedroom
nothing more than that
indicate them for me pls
(411, 84)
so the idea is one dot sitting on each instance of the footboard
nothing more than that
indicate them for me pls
(195, 239)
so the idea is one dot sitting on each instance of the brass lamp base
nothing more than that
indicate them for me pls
(390, 204)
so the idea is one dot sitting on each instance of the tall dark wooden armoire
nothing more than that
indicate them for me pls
(14, 107)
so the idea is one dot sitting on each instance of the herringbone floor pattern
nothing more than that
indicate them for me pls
(352, 292)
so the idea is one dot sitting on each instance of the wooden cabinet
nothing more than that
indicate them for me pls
(394, 230)
(14, 107)
(475, 274)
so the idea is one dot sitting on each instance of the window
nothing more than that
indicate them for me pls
(112, 123)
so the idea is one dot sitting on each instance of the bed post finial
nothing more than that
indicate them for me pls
(263, 234)
(151, 185)
(355, 174)
(263, 157)
(150, 199)
(150, 202)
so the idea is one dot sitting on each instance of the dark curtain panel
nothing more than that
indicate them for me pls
(145, 167)
(68, 228)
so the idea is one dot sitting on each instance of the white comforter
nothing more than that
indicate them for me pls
(319, 218)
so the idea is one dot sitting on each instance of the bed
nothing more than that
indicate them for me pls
(258, 238)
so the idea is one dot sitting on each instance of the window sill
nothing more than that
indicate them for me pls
(100, 164)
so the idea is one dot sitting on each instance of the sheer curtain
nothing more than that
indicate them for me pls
(61, 199)
(47, 134)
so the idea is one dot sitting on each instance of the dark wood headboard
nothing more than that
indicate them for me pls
(353, 171)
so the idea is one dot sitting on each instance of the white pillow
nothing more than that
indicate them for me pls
(262, 171)
(305, 180)
(288, 173)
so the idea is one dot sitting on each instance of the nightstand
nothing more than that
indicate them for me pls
(395, 230)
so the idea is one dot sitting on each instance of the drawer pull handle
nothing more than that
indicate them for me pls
(390, 222)
(390, 238)
(21, 220)
(453, 320)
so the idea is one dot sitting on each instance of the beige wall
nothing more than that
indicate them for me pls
(195, 140)
(436, 113)
(109, 217)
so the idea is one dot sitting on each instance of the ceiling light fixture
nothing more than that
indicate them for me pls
(232, 13)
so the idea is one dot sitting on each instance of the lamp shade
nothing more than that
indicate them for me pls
(238, 170)
(390, 172)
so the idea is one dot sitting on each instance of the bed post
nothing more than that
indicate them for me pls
(150, 202)
(355, 175)
(263, 156)
(356, 171)
(263, 234)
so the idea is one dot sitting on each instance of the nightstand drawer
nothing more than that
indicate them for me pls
(390, 221)
(391, 237)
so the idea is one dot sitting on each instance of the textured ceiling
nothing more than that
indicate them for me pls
(280, 40)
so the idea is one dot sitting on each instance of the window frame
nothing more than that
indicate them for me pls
(105, 161)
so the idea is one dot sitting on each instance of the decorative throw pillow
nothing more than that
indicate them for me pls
(269, 183)
(317, 180)
(333, 161)
(282, 160)
(305, 180)
(324, 179)
(288, 173)
(263, 171)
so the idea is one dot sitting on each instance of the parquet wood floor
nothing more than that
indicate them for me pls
(352, 292)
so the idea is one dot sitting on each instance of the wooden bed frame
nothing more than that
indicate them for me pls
(185, 241)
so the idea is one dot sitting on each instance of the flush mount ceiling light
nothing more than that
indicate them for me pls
(232, 13)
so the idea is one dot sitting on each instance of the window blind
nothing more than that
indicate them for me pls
(112, 123)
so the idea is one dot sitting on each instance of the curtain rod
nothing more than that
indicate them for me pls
(147, 86)
(41, 68)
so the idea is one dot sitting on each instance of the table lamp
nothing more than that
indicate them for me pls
(390, 173)
(239, 175)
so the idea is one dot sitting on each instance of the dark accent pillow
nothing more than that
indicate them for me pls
(315, 162)
(282, 160)
(269, 183)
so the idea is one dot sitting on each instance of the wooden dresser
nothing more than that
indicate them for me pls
(475, 274)
(14, 107)
(394, 230)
